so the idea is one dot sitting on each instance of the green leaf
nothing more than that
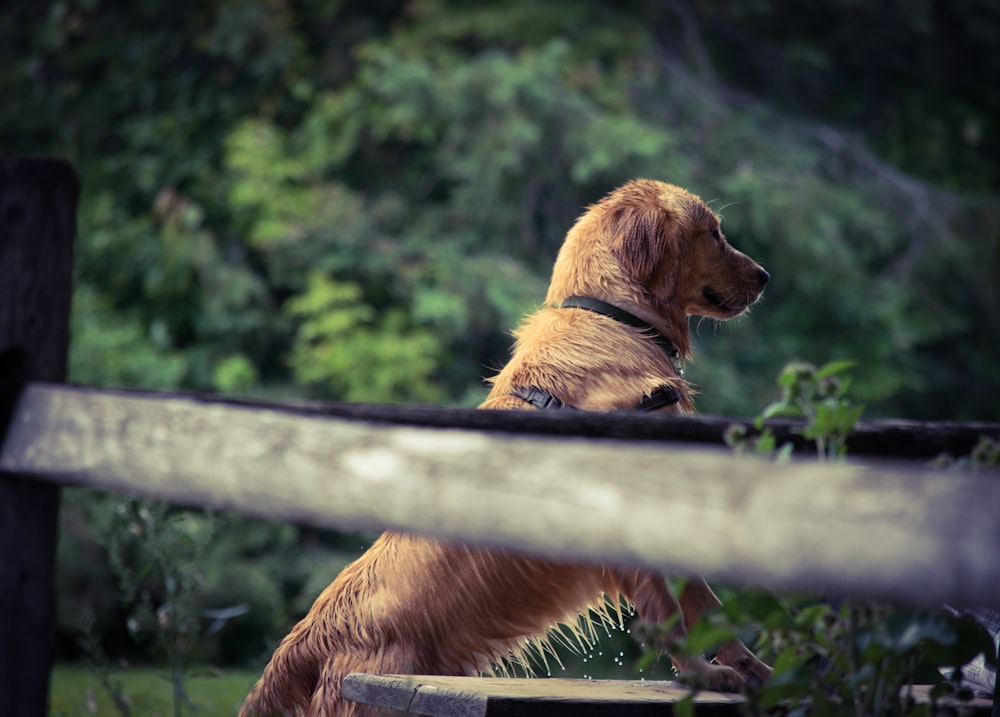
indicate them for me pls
(780, 408)
(834, 367)
(766, 443)
(685, 706)
(706, 636)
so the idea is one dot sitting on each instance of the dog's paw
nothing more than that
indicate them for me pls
(757, 673)
(721, 678)
(739, 657)
(705, 675)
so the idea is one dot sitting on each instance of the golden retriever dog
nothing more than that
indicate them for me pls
(613, 336)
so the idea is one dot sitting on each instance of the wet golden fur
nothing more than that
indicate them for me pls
(419, 606)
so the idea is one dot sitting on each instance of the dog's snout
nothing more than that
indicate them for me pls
(762, 277)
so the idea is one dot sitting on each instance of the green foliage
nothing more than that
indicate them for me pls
(156, 554)
(830, 62)
(195, 586)
(985, 455)
(847, 657)
(840, 659)
(434, 156)
(77, 692)
(336, 346)
(819, 396)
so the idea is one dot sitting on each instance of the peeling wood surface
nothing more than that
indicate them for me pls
(511, 697)
(500, 697)
(895, 439)
(889, 531)
(871, 439)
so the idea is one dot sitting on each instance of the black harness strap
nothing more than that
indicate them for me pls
(660, 398)
(538, 398)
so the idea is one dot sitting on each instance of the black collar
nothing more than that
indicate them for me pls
(622, 316)
(660, 397)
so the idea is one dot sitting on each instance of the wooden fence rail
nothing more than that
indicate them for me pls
(884, 529)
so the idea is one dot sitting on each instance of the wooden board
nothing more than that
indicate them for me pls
(884, 531)
(890, 439)
(504, 697)
(509, 697)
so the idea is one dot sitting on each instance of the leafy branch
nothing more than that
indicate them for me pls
(817, 395)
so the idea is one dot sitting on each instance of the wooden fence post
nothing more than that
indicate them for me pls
(37, 229)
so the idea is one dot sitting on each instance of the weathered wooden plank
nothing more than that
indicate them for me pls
(504, 697)
(888, 439)
(499, 697)
(882, 532)
(37, 230)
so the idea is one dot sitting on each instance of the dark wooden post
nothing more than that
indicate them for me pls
(37, 228)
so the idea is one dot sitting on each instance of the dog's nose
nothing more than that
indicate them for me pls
(763, 277)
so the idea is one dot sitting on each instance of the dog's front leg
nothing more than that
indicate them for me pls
(698, 598)
(656, 604)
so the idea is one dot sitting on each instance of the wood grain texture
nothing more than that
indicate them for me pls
(499, 697)
(37, 230)
(885, 530)
(507, 697)
(870, 439)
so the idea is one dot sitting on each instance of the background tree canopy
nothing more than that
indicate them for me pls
(358, 200)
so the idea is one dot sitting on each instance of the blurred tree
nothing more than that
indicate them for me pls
(434, 154)
(909, 75)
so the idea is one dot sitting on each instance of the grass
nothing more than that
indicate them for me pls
(77, 692)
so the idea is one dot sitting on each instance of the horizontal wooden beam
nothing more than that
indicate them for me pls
(512, 697)
(884, 530)
(870, 439)
(506, 697)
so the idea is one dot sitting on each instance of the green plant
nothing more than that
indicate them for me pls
(157, 553)
(817, 395)
(841, 659)
(101, 669)
(985, 455)
(844, 657)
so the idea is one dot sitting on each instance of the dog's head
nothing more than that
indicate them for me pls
(656, 249)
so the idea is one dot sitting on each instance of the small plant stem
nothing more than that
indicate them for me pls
(852, 660)
(878, 694)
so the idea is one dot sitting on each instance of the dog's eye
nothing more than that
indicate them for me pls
(716, 234)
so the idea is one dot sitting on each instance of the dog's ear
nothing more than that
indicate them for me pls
(643, 237)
